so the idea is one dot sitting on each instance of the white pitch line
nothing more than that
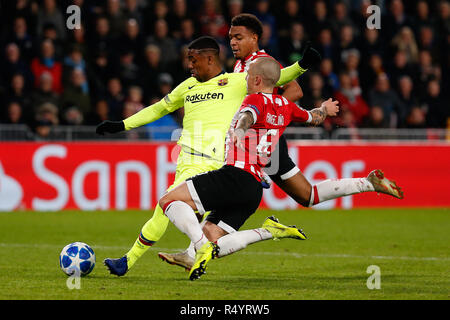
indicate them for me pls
(247, 252)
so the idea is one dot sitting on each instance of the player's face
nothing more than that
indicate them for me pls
(198, 65)
(242, 41)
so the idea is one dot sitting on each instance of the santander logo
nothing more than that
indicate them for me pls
(11, 192)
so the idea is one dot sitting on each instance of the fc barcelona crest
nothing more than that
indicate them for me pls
(222, 82)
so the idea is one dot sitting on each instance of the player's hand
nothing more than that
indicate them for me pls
(110, 127)
(310, 56)
(236, 137)
(331, 107)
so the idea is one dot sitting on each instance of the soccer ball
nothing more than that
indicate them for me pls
(77, 258)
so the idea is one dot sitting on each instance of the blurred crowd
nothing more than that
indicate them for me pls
(127, 54)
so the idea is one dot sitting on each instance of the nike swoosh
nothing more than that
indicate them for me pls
(189, 88)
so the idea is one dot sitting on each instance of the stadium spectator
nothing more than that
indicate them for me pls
(115, 98)
(319, 19)
(164, 42)
(47, 62)
(290, 15)
(290, 45)
(38, 49)
(73, 117)
(128, 68)
(330, 78)
(179, 13)
(234, 7)
(370, 43)
(14, 113)
(44, 93)
(427, 70)
(314, 92)
(99, 114)
(422, 17)
(395, 19)
(406, 93)
(21, 36)
(50, 14)
(211, 12)
(101, 40)
(376, 118)
(346, 42)
(262, 12)
(77, 38)
(416, 118)
(150, 70)
(186, 33)
(405, 41)
(115, 17)
(401, 68)
(340, 18)
(437, 111)
(73, 60)
(351, 102)
(76, 94)
(371, 71)
(351, 59)
(17, 92)
(383, 96)
(132, 39)
(326, 45)
(131, 11)
(13, 64)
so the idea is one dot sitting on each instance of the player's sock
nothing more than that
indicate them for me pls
(191, 250)
(184, 218)
(236, 241)
(151, 232)
(332, 189)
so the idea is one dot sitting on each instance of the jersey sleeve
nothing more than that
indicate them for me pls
(252, 103)
(299, 114)
(171, 102)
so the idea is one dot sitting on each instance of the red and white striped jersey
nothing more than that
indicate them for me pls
(243, 65)
(271, 113)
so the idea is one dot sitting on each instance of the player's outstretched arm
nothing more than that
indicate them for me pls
(146, 115)
(329, 108)
(310, 57)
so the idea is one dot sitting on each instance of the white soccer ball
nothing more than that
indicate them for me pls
(77, 258)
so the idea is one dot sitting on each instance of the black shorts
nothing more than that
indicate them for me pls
(231, 194)
(281, 166)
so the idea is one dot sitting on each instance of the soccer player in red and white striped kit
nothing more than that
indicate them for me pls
(234, 192)
(244, 34)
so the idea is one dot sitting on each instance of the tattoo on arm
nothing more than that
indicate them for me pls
(318, 116)
(245, 121)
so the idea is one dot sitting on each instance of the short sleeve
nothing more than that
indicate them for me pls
(252, 103)
(299, 114)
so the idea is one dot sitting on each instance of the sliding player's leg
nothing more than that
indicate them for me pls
(154, 228)
(226, 189)
(289, 178)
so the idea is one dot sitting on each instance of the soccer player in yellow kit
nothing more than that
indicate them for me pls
(210, 98)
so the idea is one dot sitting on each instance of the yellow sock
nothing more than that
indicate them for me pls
(151, 232)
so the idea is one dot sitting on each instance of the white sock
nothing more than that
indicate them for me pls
(236, 241)
(184, 218)
(191, 250)
(332, 189)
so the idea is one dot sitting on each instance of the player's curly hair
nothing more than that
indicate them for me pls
(249, 21)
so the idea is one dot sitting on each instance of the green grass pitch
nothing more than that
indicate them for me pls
(410, 247)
